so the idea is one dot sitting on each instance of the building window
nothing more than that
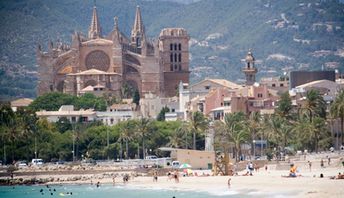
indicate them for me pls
(173, 110)
(171, 57)
(175, 67)
(281, 85)
(111, 120)
(73, 119)
(248, 65)
(175, 58)
(175, 46)
(260, 95)
(180, 57)
(180, 46)
(171, 46)
(273, 85)
(207, 87)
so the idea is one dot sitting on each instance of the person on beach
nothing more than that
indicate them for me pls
(266, 167)
(176, 176)
(229, 182)
(310, 166)
(292, 172)
(114, 180)
(328, 161)
(322, 163)
(98, 184)
(250, 168)
(155, 176)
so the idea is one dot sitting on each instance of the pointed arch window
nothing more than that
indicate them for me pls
(175, 57)
(175, 46)
(171, 57)
(180, 46)
(171, 46)
(180, 57)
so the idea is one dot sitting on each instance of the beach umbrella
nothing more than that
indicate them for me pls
(185, 165)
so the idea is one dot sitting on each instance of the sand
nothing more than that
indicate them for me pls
(269, 182)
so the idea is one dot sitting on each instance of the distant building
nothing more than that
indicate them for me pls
(68, 112)
(280, 84)
(250, 70)
(20, 103)
(99, 63)
(302, 77)
(117, 113)
(152, 104)
(197, 159)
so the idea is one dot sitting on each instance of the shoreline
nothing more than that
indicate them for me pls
(263, 183)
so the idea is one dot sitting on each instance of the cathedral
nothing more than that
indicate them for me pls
(105, 64)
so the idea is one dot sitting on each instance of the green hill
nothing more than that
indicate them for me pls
(284, 35)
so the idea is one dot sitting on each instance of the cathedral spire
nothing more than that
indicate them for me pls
(137, 33)
(138, 24)
(95, 29)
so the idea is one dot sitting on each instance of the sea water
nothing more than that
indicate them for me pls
(109, 191)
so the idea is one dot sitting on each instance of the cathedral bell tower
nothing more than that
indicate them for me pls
(138, 32)
(250, 70)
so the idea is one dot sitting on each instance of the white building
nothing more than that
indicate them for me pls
(67, 111)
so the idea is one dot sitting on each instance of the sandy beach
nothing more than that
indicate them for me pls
(265, 182)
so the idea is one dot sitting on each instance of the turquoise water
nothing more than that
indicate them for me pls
(109, 191)
(104, 191)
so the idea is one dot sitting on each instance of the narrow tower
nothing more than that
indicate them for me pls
(137, 33)
(95, 29)
(250, 70)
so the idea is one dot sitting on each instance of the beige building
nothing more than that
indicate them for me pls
(197, 159)
(152, 104)
(68, 112)
(101, 64)
(20, 103)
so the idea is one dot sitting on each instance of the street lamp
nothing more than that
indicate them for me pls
(254, 149)
(107, 140)
(73, 143)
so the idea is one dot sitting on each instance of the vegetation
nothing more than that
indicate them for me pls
(291, 128)
(54, 100)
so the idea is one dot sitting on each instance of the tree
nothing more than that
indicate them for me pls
(284, 105)
(253, 127)
(236, 131)
(337, 111)
(143, 129)
(90, 101)
(179, 137)
(198, 124)
(52, 101)
(161, 115)
(126, 129)
(136, 97)
(314, 104)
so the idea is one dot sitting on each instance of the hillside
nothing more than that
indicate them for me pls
(284, 35)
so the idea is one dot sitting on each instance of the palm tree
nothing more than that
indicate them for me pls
(253, 127)
(314, 104)
(312, 134)
(126, 134)
(236, 131)
(279, 131)
(176, 139)
(198, 124)
(337, 111)
(143, 129)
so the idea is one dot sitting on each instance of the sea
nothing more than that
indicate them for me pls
(110, 191)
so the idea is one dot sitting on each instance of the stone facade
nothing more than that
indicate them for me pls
(112, 61)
